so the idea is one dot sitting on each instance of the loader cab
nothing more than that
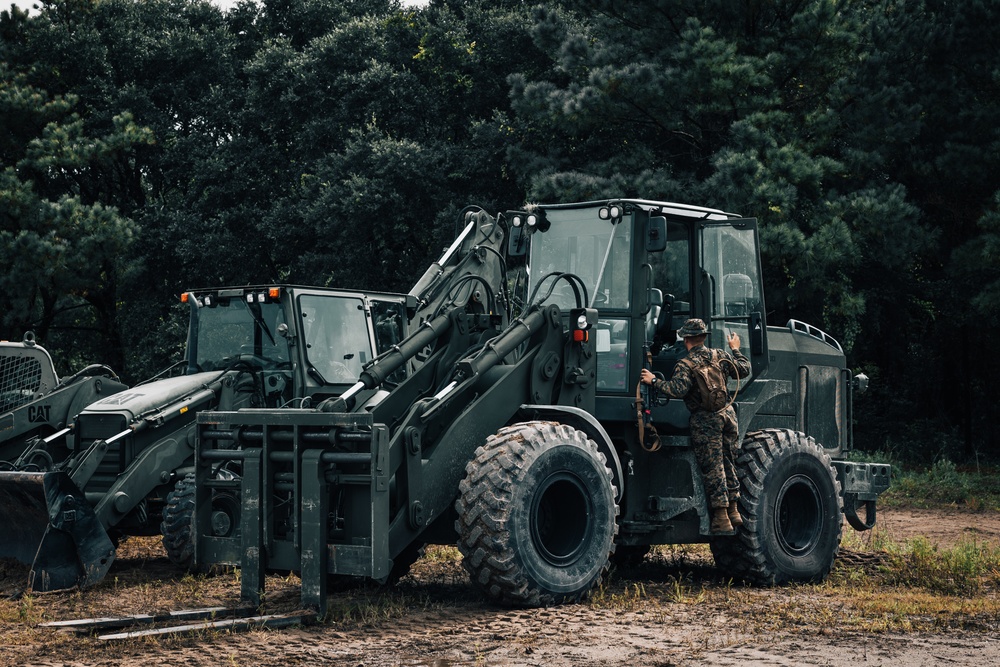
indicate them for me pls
(229, 325)
(340, 332)
(239, 329)
(647, 267)
(301, 341)
(710, 269)
(26, 373)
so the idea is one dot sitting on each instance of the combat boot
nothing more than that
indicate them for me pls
(734, 515)
(720, 521)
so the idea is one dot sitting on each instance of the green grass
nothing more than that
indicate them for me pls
(631, 598)
(366, 609)
(943, 484)
(965, 569)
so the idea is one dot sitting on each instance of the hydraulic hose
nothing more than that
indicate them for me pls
(391, 361)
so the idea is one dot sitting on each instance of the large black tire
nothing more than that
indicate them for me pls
(178, 528)
(792, 511)
(537, 515)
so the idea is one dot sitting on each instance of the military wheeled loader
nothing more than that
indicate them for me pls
(107, 465)
(526, 438)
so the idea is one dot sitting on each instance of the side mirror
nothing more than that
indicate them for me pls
(656, 234)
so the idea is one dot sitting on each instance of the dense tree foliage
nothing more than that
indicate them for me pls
(153, 146)
(61, 240)
(862, 135)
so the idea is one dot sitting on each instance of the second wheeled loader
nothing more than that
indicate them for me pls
(67, 496)
(522, 437)
(121, 463)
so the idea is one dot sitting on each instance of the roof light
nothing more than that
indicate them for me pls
(532, 220)
(184, 297)
(610, 212)
(274, 292)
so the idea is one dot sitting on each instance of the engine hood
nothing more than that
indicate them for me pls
(151, 396)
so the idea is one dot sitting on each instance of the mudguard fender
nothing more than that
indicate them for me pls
(583, 421)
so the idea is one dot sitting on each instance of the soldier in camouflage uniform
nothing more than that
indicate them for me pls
(713, 434)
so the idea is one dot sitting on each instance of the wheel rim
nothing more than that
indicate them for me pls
(798, 515)
(225, 515)
(561, 512)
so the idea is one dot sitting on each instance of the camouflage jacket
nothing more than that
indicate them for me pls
(682, 384)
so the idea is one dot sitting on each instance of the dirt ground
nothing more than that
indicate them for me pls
(673, 610)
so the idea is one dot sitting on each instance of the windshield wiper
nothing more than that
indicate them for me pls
(258, 317)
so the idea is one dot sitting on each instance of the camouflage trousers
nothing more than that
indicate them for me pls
(716, 446)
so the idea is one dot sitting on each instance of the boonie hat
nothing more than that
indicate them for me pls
(693, 327)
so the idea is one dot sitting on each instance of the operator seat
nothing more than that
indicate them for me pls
(738, 291)
(653, 316)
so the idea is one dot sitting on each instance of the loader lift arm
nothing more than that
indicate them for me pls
(429, 446)
(461, 280)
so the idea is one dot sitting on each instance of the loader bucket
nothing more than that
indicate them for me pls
(48, 524)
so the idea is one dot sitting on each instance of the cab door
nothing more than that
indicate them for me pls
(729, 288)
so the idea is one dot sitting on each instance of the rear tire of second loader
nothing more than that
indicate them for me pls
(537, 515)
(792, 511)
(178, 526)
